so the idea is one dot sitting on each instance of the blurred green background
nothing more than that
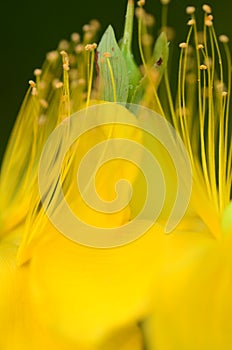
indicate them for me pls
(29, 29)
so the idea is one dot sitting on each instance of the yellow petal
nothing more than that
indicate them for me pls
(84, 293)
(19, 327)
(192, 309)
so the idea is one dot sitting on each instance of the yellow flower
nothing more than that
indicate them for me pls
(168, 291)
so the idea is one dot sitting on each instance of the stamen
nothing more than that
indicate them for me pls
(107, 55)
(33, 87)
(65, 102)
(90, 48)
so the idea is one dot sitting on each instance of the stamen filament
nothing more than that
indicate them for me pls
(161, 111)
(107, 56)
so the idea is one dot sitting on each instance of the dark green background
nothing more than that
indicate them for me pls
(31, 28)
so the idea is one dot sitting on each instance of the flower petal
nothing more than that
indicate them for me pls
(193, 306)
(85, 293)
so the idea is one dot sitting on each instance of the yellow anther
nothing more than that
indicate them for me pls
(32, 83)
(37, 72)
(206, 8)
(52, 56)
(106, 54)
(208, 23)
(75, 37)
(90, 47)
(223, 39)
(63, 45)
(191, 22)
(190, 10)
(203, 67)
(141, 3)
(79, 48)
(183, 45)
(43, 103)
(57, 84)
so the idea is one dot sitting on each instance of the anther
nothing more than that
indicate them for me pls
(149, 20)
(75, 37)
(32, 83)
(200, 46)
(86, 28)
(63, 53)
(52, 56)
(206, 8)
(106, 54)
(42, 85)
(141, 3)
(37, 72)
(147, 39)
(90, 47)
(95, 24)
(43, 103)
(79, 48)
(87, 47)
(203, 67)
(190, 10)
(191, 22)
(81, 82)
(42, 119)
(57, 84)
(63, 45)
(183, 45)
(223, 38)
(208, 23)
